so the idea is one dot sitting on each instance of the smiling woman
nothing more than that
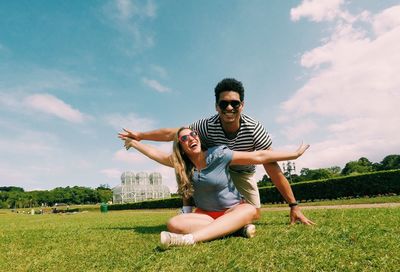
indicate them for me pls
(204, 176)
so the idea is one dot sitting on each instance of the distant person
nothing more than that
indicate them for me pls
(204, 175)
(239, 132)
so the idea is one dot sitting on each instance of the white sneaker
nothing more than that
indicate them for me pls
(249, 231)
(173, 239)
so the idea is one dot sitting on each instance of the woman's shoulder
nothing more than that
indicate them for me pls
(217, 149)
(218, 152)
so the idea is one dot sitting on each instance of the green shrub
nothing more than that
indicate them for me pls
(371, 184)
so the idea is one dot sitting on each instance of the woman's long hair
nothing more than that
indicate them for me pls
(183, 168)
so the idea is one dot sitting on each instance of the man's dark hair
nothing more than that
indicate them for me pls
(229, 84)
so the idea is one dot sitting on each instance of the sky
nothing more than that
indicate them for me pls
(74, 73)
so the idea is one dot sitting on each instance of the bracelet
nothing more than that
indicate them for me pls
(186, 209)
(293, 204)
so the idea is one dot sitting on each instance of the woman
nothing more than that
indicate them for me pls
(203, 175)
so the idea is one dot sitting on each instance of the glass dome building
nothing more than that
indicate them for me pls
(140, 187)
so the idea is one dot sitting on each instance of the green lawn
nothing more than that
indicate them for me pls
(348, 201)
(343, 240)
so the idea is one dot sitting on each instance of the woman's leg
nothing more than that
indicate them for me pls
(234, 219)
(188, 222)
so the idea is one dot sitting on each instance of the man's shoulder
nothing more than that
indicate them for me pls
(249, 120)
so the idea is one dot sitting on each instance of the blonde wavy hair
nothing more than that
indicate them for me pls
(184, 167)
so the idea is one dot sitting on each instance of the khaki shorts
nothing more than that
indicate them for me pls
(247, 187)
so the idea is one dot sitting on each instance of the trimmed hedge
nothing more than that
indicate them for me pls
(371, 184)
(173, 202)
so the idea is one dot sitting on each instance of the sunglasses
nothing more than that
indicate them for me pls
(223, 104)
(185, 138)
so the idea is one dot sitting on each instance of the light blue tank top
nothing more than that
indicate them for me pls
(213, 186)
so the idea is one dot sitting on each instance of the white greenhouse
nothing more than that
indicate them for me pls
(140, 187)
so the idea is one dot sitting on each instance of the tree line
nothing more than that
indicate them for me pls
(16, 197)
(362, 165)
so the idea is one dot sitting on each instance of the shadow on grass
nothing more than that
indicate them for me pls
(270, 223)
(141, 229)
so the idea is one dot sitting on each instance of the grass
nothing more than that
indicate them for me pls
(343, 240)
(348, 201)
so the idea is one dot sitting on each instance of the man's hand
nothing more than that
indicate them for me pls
(129, 142)
(130, 134)
(297, 215)
(302, 148)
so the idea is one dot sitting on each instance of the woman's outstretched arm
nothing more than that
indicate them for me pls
(147, 150)
(265, 156)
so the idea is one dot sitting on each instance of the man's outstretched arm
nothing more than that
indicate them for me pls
(159, 135)
(283, 186)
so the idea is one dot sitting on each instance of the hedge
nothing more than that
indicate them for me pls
(173, 202)
(371, 184)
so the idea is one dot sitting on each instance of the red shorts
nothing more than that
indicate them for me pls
(213, 214)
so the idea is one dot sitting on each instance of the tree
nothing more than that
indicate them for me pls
(104, 195)
(390, 162)
(335, 170)
(11, 189)
(314, 174)
(363, 165)
(265, 181)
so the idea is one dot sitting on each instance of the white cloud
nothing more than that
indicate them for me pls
(135, 158)
(317, 10)
(131, 157)
(155, 85)
(160, 71)
(130, 18)
(304, 128)
(50, 104)
(112, 173)
(126, 9)
(354, 96)
(131, 121)
(386, 20)
(22, 146)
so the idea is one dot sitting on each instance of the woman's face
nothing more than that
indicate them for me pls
(189, 141)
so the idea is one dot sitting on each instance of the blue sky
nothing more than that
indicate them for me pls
(73, 73)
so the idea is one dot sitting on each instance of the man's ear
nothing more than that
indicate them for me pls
(216, 106)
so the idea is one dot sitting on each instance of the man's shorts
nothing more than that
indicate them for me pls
(247, 187)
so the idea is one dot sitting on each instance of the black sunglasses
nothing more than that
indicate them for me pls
(223, 104)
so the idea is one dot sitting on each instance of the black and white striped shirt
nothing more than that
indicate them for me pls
(250, 137)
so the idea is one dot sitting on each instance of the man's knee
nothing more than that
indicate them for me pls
(251, 212)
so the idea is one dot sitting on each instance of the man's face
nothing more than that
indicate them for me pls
(229, 107)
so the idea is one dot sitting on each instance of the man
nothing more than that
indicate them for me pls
(239, 132)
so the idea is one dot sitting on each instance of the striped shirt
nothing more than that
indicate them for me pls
(250, 137)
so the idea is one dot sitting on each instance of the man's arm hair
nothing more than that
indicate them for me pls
(159, 135)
